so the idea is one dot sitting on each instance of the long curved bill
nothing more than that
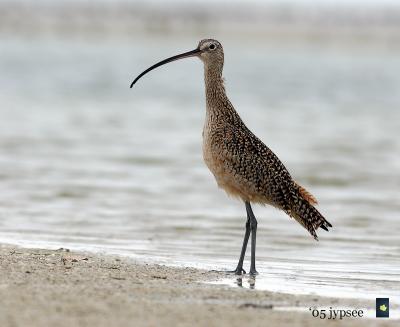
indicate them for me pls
(192, 53)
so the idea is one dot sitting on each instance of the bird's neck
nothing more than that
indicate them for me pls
(218, 104)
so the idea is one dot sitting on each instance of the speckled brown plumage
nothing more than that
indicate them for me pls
(241, 163)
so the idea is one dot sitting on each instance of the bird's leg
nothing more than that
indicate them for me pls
(239, 269)
(253, 228)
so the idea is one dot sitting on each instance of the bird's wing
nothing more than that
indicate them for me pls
(249, 159)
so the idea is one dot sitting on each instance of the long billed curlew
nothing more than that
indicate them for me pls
(242, 164)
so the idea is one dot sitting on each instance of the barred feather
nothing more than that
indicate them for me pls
(309, 217)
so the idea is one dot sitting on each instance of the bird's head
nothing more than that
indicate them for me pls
(209, 51)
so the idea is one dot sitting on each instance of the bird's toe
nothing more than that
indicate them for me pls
(237, 271)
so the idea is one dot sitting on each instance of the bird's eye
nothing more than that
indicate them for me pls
(212, 47)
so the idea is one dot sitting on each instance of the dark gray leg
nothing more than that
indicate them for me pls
(239, 269)
(253, 228)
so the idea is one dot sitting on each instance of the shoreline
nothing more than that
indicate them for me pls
(40, 287)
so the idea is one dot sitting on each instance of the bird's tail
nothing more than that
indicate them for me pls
(308, 216)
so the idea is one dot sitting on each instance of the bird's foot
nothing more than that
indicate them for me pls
(237, 271)
(253, 272)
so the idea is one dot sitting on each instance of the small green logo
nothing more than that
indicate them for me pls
(382, 307)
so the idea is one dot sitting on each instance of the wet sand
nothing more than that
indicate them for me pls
(63, 288)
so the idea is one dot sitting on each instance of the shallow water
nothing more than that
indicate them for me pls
(87, 163)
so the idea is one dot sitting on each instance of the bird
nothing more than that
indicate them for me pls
(241, 163)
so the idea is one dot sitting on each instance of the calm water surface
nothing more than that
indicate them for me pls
(87, 163)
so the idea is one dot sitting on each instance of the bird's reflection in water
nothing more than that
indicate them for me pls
(251, 281)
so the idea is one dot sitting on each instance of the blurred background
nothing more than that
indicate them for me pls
(87, 163)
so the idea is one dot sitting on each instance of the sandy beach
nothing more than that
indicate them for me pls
(41, 287)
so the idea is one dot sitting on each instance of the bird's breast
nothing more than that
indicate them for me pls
(216, 162)
(222, 161)
(207, 148)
